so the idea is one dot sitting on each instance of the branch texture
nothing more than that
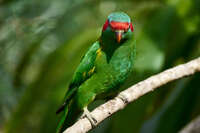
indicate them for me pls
(133, 93)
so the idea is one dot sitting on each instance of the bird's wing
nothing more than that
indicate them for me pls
(86, 67)
(84, 71)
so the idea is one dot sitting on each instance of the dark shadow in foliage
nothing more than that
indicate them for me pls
(176, 111)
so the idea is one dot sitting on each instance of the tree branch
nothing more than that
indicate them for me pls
(192, 127)
(133, 93)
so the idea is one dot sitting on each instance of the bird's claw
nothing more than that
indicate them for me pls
(87, 114)
(123, 98)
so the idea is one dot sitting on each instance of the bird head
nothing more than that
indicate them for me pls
(118, 26)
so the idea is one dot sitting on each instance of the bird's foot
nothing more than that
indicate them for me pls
(87, 114)
(123, 98)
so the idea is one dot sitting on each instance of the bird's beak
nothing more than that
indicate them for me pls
(118, 34)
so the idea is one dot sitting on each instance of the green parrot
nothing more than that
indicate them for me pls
(104, 67)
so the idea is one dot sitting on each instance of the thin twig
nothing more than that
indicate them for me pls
(133, 93)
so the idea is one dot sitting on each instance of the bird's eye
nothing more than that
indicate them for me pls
(125, 30)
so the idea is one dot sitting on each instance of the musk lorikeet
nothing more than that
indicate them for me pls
(102, 70)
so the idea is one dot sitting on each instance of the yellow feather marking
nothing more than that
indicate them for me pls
(91, 71)
(98, 52)
(84, 74)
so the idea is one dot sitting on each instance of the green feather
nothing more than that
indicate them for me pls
(61, 122)
(104, 67)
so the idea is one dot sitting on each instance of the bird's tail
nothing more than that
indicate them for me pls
(70, 113)
(63, 117)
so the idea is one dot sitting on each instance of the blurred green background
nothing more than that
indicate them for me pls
(41, 44)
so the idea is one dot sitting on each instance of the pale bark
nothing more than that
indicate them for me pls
(192, 127)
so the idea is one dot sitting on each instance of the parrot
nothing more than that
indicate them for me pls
(102, 70)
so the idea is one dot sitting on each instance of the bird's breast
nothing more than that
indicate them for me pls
(101, 61)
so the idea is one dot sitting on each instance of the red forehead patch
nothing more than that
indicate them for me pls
(119, 25)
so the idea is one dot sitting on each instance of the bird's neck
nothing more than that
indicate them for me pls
(108, 45)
